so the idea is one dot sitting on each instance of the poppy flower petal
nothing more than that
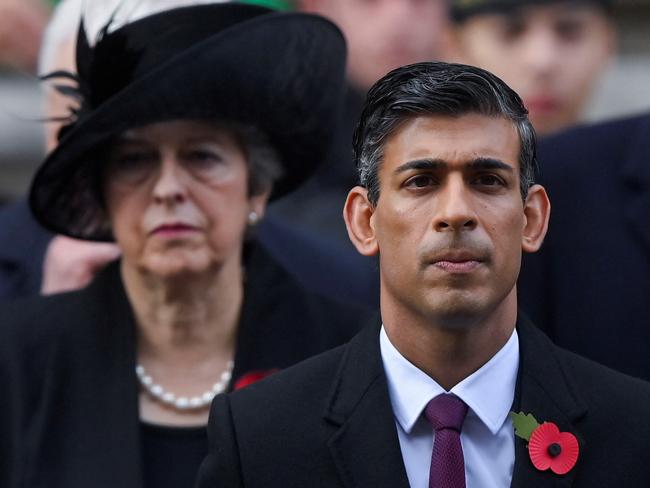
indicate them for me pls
(253, 377)
(567, 459)
(541, 438)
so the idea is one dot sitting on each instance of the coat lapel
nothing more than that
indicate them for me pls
(544, 390)
(365, 447)
(636, 177)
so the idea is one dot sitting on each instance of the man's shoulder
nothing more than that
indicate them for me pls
(275, 432)
(615, 426)
(287, 392)
(585, 379)
(603, 387)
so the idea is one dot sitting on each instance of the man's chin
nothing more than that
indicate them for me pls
(458, 311)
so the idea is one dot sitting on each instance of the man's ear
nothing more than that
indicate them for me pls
(357, 213)
(537, 211)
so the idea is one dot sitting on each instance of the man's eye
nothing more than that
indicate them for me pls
(489, 180)
(420, 181)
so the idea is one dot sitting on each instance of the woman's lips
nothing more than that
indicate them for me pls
(170, 230)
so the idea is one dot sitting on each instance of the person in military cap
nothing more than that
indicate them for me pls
(552, 52)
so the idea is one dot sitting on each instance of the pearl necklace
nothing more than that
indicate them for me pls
(184, 403)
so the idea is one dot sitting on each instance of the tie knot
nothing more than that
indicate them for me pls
(446, 412)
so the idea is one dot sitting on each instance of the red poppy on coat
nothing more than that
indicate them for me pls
(550, 448)
(252, 377)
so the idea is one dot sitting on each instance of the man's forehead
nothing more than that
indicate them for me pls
(458, 139)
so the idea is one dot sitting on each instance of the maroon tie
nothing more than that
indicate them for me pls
(446, 414)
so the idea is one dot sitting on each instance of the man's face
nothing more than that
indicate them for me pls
(551, 55)
(450, 220)
(385, 34)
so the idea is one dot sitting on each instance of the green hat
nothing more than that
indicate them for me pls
(463, 9)
(273, 4)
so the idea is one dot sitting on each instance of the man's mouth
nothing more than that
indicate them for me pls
(458, 266)
(457, 261)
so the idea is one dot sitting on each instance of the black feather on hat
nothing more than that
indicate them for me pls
(281, 72)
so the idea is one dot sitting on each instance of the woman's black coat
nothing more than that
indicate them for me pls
(68, 391)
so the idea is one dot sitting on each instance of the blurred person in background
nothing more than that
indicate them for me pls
(551, 52)
(21, 26)
(385, 34)
(589, 286)
(32, 260)
(181, 138)
(381, 35)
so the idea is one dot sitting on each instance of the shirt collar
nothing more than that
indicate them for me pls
(488, 392)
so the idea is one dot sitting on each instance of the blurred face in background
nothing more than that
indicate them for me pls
(385, 34)
(552, 55)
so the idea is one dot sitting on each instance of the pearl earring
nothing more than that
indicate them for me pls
(253, 218)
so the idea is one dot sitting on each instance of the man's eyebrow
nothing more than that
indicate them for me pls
(426, 163)
(489, 163)
(436, 164)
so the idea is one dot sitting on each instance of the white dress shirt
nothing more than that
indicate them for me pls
(487, 436)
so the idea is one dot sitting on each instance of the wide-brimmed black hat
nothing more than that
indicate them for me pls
(281, 72)
(463, 9)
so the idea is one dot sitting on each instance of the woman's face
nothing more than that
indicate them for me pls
(177, 197)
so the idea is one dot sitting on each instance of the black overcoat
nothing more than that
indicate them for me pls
(69, 402)
(328, 422)
(589, 286)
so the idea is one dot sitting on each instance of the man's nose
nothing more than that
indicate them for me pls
(169, 186)
(454, 210)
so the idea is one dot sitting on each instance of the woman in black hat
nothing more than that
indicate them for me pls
(191, 119)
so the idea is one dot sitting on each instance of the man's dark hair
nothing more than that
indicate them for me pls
(436, 88)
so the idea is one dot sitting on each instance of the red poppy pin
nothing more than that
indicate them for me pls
(547, 446)
(253, 377)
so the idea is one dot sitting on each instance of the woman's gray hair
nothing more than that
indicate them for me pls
(264, 164)
(435, 88)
